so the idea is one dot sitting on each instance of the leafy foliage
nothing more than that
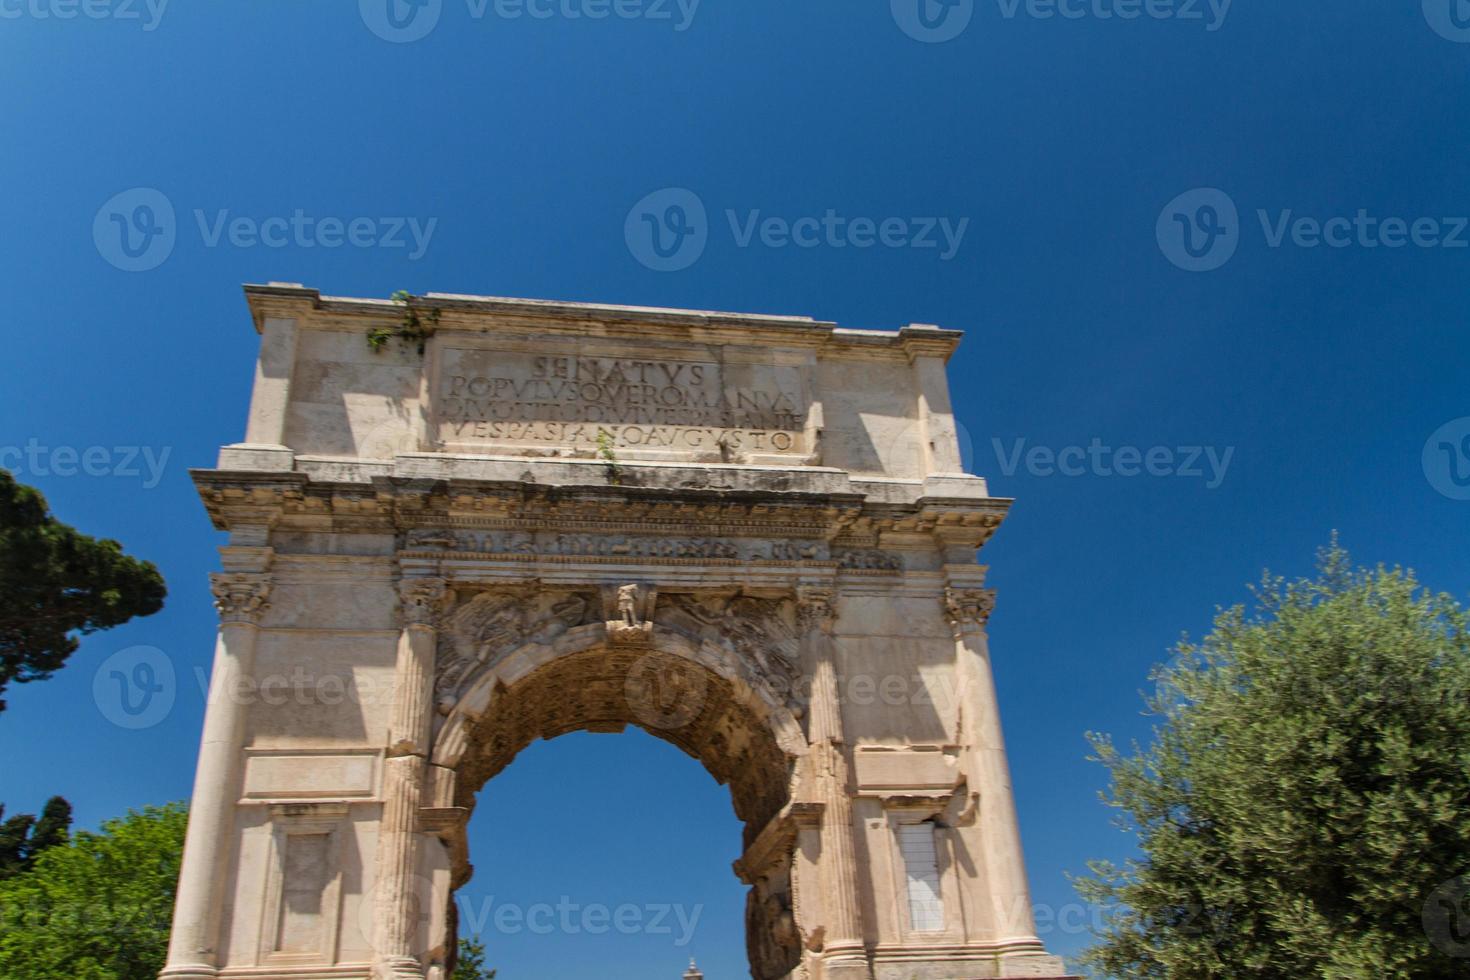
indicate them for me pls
(23, 837)
(56, 583)
(471, 962)
(98, 907)
(1306, 792)
(414, 327)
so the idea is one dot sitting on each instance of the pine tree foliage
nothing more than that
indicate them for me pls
(57, 584)
(23, 837)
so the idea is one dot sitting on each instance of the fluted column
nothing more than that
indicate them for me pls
(396, 912)
(1005, 869)
(844, 954)
(209, 842)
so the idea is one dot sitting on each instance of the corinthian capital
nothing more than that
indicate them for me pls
(240, 597)
(816, 608)
(420, 600)
(968, 607)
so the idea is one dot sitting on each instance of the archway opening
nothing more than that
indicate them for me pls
(605, 857)
(684, 695)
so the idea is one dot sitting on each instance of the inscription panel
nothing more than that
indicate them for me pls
(579, 404)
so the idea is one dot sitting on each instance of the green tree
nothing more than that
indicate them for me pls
(470, 964)
(22, 837)
(97, 907)
(1304, 807)
(57, 583)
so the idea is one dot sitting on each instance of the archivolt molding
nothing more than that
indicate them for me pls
(543, 675)
(753, 638)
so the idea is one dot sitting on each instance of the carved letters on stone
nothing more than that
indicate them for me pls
(574, 403)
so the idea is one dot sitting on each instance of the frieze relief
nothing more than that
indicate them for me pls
(479, 629)
(512, 542)
(868, 559)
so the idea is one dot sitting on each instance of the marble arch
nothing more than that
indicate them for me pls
(748, 534)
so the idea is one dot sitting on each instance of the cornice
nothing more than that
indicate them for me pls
(477, 313)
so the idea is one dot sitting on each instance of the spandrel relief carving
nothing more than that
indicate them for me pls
(491, 624)
(760, 631)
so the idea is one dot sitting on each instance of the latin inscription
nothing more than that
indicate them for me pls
(590, 402)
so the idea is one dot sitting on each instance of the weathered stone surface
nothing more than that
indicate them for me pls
(744, 534)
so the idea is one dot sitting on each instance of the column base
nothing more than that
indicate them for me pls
(963, 964)
(398, 968)
(189, 971)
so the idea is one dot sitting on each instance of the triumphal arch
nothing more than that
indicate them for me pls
(458, 524)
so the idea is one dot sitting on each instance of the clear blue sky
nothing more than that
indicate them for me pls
(1061, 140)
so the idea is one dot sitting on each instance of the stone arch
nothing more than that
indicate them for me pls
(702, 696)
(709, 706)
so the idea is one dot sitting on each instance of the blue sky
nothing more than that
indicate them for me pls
(1092, 162)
